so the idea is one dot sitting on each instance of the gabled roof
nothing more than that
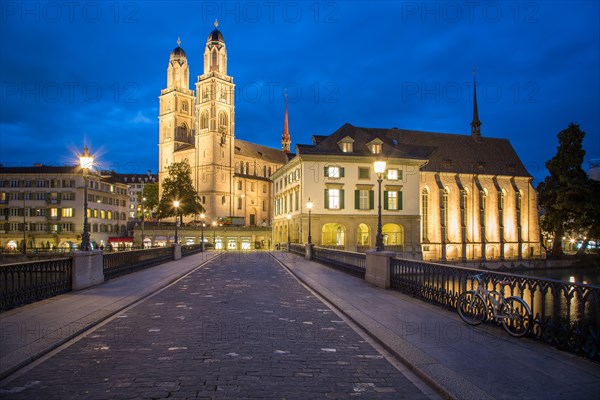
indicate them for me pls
(258, 151)
(445, 152)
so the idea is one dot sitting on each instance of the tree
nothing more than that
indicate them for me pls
(564, 195)
(589, 226)
(150, 192)
(178, 186)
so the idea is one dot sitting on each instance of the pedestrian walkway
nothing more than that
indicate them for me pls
(240, 327)
(28, 332)
(464, 362)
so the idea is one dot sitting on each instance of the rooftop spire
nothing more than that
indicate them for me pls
(285, 138)
(216, 23)
(178, 41)
(475, 124)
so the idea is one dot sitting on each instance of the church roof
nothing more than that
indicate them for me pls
(247, 149)
(445, 152)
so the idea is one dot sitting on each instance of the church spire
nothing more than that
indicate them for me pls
(285, 138)
(475, 124)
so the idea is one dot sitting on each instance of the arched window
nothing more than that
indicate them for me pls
(223, 122)
(247, 168)
(223, 200)
(465, 199)
(204, 120)
(215, 60)
(184, 106)
(445, 207)
(425, 213)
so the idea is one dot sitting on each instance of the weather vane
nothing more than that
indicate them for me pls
(216, 23)
(178, 41)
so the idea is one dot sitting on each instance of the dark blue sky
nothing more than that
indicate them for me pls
(75, 72)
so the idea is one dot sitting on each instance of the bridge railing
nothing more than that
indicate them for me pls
(566, 315)
(346, 260)
(125, 262)
(298, 249)
(27, 282)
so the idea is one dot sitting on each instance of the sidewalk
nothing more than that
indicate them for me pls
(463, 362)
(29, 332)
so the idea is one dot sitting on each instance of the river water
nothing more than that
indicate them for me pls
(588, 275)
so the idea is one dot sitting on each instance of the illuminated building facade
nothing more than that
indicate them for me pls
(232, 176)
(43, 205)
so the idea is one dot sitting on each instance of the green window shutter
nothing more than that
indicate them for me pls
(385, 200)
(400, 175)
(325, 171)
(357, 199)
(399, 200)
(342, 199)
(341, 172)
(371, 199)
(326, 202)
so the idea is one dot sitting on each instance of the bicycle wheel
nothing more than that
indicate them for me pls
(517, 316)
(471, 307)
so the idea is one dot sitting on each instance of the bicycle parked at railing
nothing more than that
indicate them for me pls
(476, 305)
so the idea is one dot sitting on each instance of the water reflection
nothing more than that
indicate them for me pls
(589, 275)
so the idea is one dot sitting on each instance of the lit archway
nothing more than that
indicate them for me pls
(393, 235)
(362, 235)
(333, 234)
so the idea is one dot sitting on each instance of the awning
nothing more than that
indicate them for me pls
(120, 240)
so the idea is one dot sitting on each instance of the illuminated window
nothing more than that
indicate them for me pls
(67, 212)
(392, 200)
(392, 174)
(363, 199)
(334, 172)
(445, 207)
(425, 212)
(333, 199)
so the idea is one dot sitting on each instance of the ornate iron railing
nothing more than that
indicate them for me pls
(189, 249)
(348, 261)
(565, 314)
(27, 282)
(298, 249)
(125, 262)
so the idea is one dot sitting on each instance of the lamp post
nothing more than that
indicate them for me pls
(143, 212)
(176, 205)
(214, 224)
(289, 217)
(86, 161)
(379, 167)
(309, 205)
(202, 227)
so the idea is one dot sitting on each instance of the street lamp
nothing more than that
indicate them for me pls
(379, 167)
(289, 217)
(202, 227)
(176, 205)
(214, 224)
(143, 212)
(86, 161)
(309, 205)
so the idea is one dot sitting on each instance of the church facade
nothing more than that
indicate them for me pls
(232, 176)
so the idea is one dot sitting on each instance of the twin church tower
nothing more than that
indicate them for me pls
(231, 175)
